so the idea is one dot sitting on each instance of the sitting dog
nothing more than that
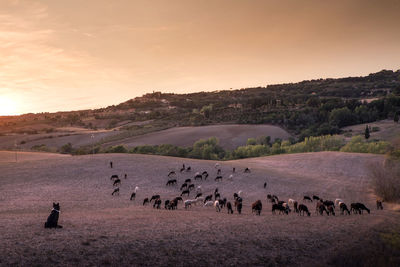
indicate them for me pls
(52, 220)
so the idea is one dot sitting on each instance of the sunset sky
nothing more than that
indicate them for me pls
(69, 54)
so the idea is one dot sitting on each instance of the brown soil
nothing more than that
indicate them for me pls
(230, 136)
(103, 230)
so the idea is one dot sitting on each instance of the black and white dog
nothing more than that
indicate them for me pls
(52, 220)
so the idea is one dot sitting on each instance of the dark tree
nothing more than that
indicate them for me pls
(366, 132)
(396, 117)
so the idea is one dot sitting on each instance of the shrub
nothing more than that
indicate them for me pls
(386, 180)
(66, 149)
(358, 145)
(117, 149)
(315, 144)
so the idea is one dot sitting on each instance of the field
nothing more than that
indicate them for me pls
(388, 130)
(231, 136)
(100, 229)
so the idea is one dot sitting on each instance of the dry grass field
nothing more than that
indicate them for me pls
(388, 130)
(230, 136)
(100, 229)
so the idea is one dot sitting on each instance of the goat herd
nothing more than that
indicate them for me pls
(283, 207)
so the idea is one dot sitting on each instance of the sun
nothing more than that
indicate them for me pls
(7, 106)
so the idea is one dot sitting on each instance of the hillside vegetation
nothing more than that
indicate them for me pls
(306, 108)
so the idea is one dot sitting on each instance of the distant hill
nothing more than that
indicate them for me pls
(307, 108)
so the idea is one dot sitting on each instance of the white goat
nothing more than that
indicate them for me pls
(337, 201)
(188, 203)
(209, 204)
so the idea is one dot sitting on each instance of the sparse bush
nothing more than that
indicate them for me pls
(66, 149)
(386, 180)
(116, 149)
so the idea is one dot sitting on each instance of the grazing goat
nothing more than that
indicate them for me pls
(302, 209)
(154, 197)
(315, 197)
(328, 203)
(230, 178)
(229, 207)
(320, 208)
(116, 191)
(188, 181)
(191, 187)
(52, 220)
(291, 201)
(379, 205)
(337, 201)
(208, 203)
(247, 170)
(358, 208)
(222, 202)
(307, 198)
(208, 198)
(178, 199)
(171, 173)
(281, 209)
(217, 206)
(286, 206)
(265, 185)
(188, 169)
(185, 192)
(157, 203)
(117, 182)
(198, 176)
(198, 189)
(218, 178)
(218, 171)
(184, 185)
(295, 204)
(171, 182)
(114, 176)
(217, 195)
(188, 203)
(133, 195)
(205, 174)
(256, 207)
(343, 208)
(331, 209)
(239, 207)
(145, 201)
(167, 204)
(198, 195)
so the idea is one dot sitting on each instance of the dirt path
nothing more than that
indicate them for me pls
(103, 230)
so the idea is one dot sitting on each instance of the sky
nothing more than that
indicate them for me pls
(58, 55)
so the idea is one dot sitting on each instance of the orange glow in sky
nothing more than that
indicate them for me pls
(70, 55)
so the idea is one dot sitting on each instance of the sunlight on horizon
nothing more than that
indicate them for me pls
(8, 106)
